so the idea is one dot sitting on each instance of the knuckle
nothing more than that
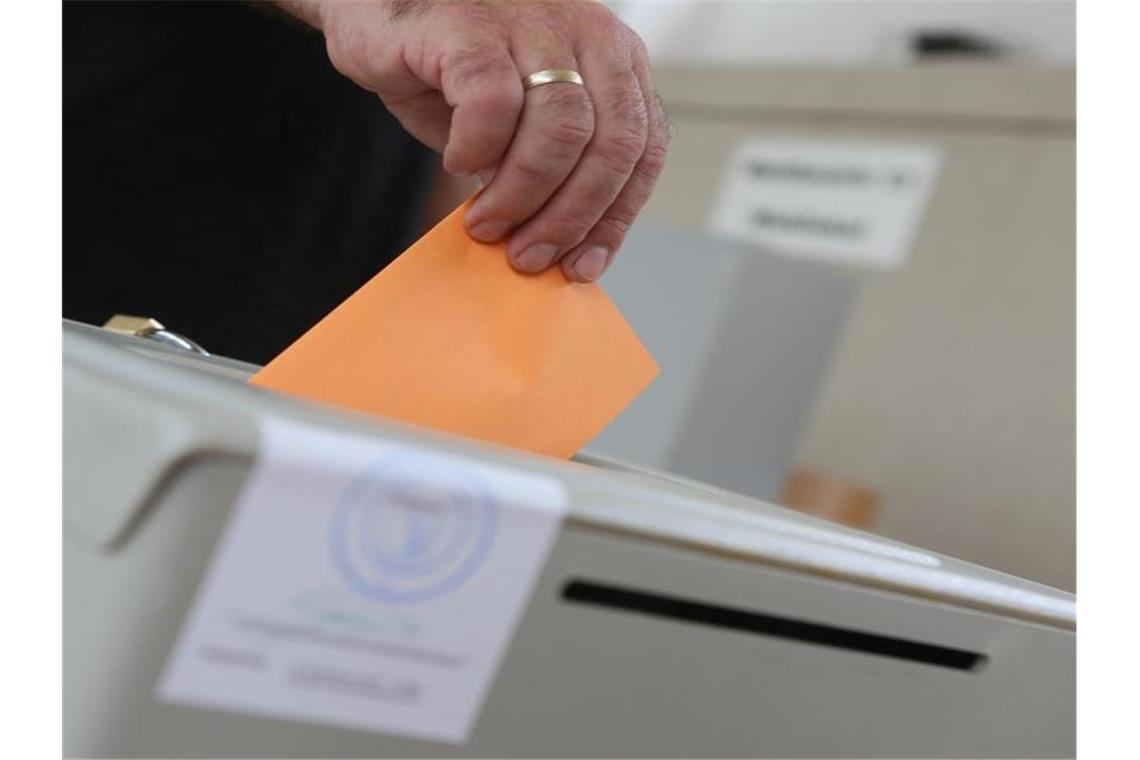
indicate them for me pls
(498, 100)
(456, 160)
(628, 106)
(664, 125)
(597, 18)
(621, 150)
(570, 127)
(634, 111)
(473, 63)
(570, 134)
(633, 42)
(347, 50)
(534, 171)
(566, 230)
(567, 101)
(652, 161)
(640, 51)
(615, 226)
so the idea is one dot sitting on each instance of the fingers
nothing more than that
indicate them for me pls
(592, 256)
(427, 117)
(566, 168)
(620, 136)
(556, 125)
(481, 83)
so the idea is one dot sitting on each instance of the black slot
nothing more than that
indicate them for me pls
(687, 610)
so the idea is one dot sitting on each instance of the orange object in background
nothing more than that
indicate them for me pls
(451, 337)
(834, 499)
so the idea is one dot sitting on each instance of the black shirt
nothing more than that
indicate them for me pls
(220, 175)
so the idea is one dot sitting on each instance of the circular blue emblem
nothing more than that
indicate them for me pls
(412, 529)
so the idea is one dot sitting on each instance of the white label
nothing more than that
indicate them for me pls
(364, 584)
(844, 202)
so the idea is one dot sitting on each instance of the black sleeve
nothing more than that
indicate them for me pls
(221, 176)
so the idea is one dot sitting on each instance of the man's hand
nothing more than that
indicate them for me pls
(567, 168)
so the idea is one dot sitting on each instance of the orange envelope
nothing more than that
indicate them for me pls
(451, 337)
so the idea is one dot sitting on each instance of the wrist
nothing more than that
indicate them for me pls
(312, 12)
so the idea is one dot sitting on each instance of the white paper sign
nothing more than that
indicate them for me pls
(845, 202)
(364, 584)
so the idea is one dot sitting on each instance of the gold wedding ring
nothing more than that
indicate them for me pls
(550, 76)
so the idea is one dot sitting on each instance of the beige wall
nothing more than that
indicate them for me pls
(953, 390)
(849, 33)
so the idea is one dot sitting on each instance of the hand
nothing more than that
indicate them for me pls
(567, 168)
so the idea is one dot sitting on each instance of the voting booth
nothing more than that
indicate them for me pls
(622, 612)
(744, 338)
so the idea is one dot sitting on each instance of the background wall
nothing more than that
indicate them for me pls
(953, 391)
(841, 31)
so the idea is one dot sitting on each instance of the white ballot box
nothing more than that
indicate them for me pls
(250, 575)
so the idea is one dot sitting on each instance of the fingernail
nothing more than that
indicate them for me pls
(537, 257)
(592, 263)
(489, 230)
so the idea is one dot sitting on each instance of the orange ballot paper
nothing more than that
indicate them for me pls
(451, 337)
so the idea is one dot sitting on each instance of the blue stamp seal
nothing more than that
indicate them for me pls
(412, 528)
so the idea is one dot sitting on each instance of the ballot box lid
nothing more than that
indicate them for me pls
(168, 407)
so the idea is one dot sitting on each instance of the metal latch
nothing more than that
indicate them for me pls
(151, 329)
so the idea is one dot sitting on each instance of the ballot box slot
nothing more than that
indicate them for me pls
(580, 591)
